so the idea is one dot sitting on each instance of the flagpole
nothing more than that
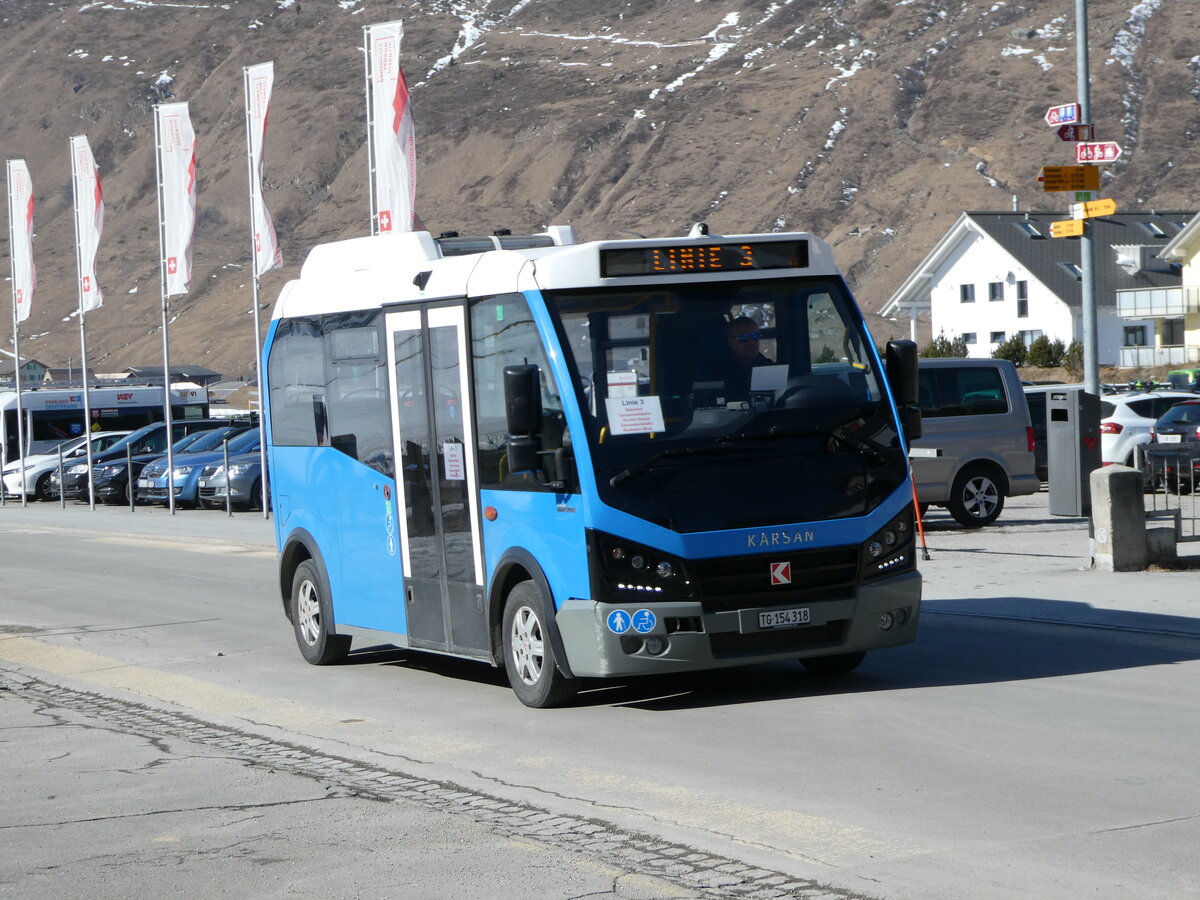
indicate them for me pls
(166, 309)
(262, 427)
(374, 223)
(87, 401)
(12, 235)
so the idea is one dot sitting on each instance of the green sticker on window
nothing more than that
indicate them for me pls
(499, 312)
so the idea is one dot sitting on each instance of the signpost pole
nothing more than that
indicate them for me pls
(1091, 344)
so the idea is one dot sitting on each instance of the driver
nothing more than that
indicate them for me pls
(742, 337)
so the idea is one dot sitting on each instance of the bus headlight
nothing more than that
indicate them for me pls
(625, 572)
(890, 549)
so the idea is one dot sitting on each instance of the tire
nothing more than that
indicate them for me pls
(1181, 486)
(834, 665)
(311, 613)
(255, 501)
(41, 490)
(528, 655)
(976, 498)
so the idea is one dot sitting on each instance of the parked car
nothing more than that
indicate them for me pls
(242, 484)
(974, 416)
(39, 467)
(1175, 439)
(108, 468)
(1126, 420)
(153, 484)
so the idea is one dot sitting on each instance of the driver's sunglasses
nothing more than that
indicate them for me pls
(749, 336)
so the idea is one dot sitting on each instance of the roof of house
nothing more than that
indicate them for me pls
(8, 366)
(1180, 245)
(176, 372)
(1026, 237)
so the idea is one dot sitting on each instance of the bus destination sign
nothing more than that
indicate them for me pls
(695, 257)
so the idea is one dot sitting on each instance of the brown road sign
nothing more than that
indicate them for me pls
(1070, 178)
(1066, 228)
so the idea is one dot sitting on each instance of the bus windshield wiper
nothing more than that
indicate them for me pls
(852, 438)
(724, 445)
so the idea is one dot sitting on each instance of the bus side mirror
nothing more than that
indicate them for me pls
(910, 421)
(523, 412)
(902, 371)
(522, 400)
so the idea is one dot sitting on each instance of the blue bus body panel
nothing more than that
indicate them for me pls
(550, 527)
(350, 510)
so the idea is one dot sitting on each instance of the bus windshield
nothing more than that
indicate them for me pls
(730, 404)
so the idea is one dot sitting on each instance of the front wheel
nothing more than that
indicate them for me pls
(834, 665)
(42, 489)
(312, 614)
(528, 657)
(976, 498)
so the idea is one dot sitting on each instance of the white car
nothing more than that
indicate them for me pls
(1126, 420)
(39, 467)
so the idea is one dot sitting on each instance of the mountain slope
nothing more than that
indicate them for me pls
(872, 124)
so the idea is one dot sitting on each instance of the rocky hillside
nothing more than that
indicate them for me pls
(871, 123)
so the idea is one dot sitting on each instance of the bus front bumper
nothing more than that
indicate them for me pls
(882, 613)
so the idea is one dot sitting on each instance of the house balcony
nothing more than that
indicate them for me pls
(1137, 357)
(1155, 303)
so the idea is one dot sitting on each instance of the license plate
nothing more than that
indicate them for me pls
(144, 482)
(783, 618)
(1170, 438)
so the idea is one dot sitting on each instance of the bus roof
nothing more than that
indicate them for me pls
(399, 267)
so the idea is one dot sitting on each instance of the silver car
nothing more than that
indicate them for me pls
(242, 484)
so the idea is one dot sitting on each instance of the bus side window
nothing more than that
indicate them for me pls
(357, 409)
(503, 333)
(297, 378)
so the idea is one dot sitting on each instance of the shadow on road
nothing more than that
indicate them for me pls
(954, 647)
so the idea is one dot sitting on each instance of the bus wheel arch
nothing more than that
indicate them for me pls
(300, 547)
(517, 566)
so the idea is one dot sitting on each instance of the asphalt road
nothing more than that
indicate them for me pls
(1038, 739)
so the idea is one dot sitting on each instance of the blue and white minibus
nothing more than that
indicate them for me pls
(589, 460)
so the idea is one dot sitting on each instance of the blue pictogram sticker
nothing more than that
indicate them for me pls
(644, 621)
(618, 621)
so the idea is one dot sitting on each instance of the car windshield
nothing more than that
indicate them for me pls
(212, 440)
(730, 404)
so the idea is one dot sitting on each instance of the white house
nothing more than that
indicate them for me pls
(1174, 338)
(996, 274)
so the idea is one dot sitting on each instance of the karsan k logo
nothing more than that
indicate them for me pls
(758, 539)
(781, 573)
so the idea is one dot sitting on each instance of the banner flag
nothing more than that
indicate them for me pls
(89, 220)
(259, 80)
(177, 167)
(20, 219)
(392, 135)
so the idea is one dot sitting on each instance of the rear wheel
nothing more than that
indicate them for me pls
(528, 656)
(312, 615)
(834, 665)
(976, 498)
(42, 489)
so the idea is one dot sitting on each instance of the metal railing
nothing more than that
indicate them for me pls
(1151, 303)
(1181, 355)
(1173, 479)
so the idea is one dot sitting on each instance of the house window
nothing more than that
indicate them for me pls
(1022, 299)
(995, 290)
(1073, 270)
(1172, 332)
(968, 337)
(1028, 337)
(998, 337)
(966, 293)
(1135, 335)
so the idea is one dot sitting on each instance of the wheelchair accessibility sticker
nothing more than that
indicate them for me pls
(644, 621)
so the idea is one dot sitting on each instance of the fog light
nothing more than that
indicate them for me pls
(902, 615)
(656, 646)
(886, 621)
(875, 549)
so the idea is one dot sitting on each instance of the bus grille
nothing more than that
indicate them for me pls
(742, 582)
(731, 643)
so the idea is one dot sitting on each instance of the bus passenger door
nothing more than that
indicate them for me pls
(440, 539)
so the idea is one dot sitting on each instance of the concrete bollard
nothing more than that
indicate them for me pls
(1118, 519)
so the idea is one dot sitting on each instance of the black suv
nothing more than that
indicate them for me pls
(109, 473)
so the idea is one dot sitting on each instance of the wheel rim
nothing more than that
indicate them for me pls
(528, 648)
(308, 613)
(980, 497)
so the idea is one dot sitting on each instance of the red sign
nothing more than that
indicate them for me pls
(781, 573)
(1067, 114)
(1099, 151)
(1075, 132)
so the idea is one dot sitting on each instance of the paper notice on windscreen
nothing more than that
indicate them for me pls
(768, 378)
(622, 384)
(634, 415)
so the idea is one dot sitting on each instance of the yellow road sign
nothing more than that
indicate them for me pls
(1067, 228)
(1093, 208)
(1070, 178)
